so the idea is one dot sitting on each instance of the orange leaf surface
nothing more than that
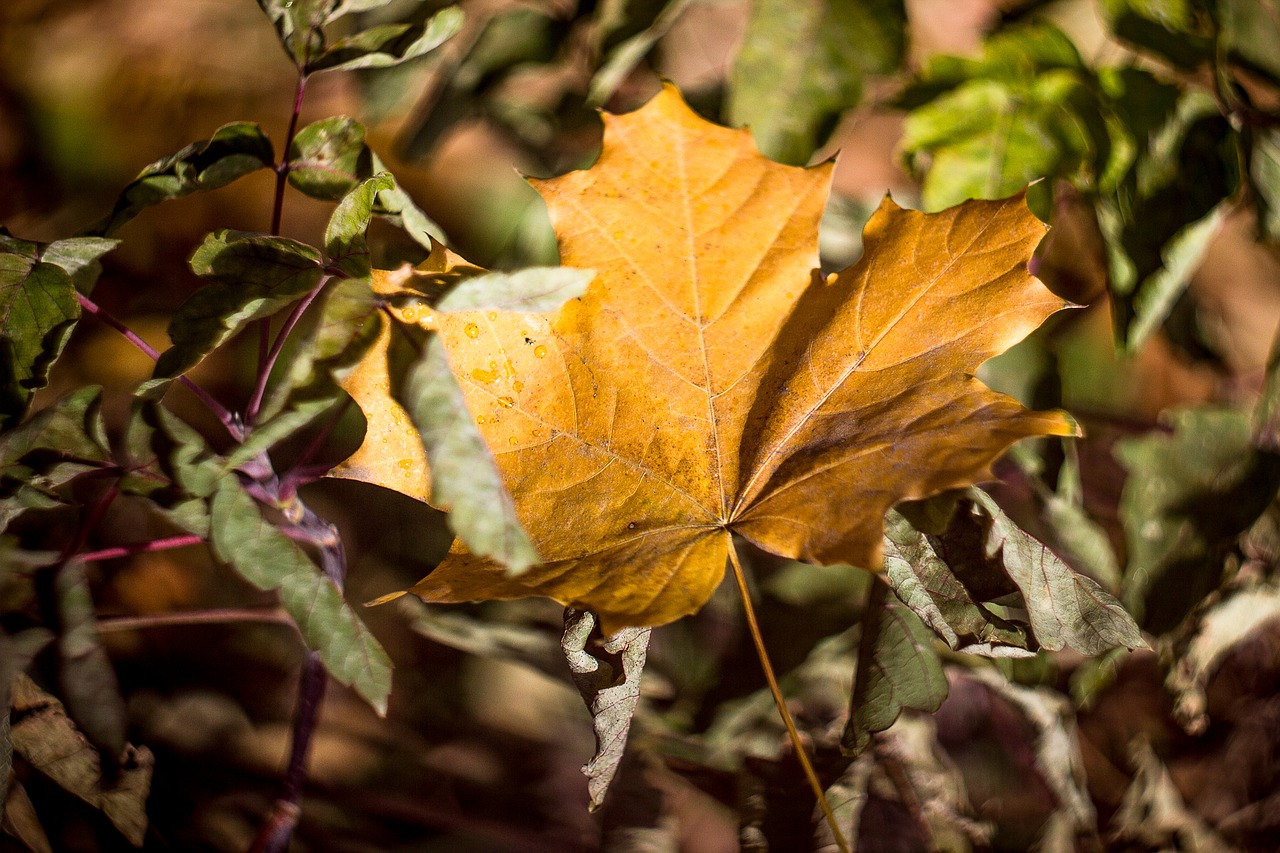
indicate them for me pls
(711, 382)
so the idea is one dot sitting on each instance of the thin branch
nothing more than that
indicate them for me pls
(282, 168)
(228, 420)
(129, 334)
(277, 213)
(269, 361)
(132, 548)
(223, 616)
(754, 629)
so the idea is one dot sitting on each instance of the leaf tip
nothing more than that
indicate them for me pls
(383, 599)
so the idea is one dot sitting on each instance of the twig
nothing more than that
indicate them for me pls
(223, 616)
(277, 216)
(132, 548)
(228, 420)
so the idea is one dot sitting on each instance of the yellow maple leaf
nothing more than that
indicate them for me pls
(711, 381)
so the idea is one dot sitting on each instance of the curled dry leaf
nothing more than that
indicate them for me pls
(606, 671)
(45, 736)
(711, 381)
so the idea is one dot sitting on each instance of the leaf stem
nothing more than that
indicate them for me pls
(132, 548)
(753, 628)
(220, 411)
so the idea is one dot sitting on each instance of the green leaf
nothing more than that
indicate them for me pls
(262, 554)
(1179, 260)
(1014, 55)
(344, 238)
(1188, 497)
(233, 151)
(1159, 220)
(465, 479)
(1264, 176)
(606, 671)
(300, 26)
(38, 309)
(1179, 31)
(1026, 109)
(47, 739)
(71, 428)
(85, 674)
(898, 670)
(340, 333)
(1140, 109)
(925, 583)
(1063, 607)
(329, 157)
(622, 58)
(254, 276)
(79, 256)
(1084, 539)
(988, 139)
(397, 207)
(158, 438)
(389, 44)
(58, 444)
(347, 7)
(533, 289)
(1248, 30)
(464, 476)
(801, 66)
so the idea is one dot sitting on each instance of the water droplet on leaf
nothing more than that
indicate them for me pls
(471, 330)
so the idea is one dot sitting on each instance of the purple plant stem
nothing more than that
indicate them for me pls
(276, 832)
(269, 361)
(277, 216)
(227, 419)
(282, 168)
(119, 551)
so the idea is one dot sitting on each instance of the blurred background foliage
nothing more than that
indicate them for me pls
(1152, 130)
